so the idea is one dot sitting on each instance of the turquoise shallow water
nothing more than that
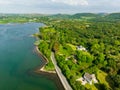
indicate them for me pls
(17, 57)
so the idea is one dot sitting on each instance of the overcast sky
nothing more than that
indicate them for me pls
(59, 6)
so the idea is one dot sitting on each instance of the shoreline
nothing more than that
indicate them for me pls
(52, 75)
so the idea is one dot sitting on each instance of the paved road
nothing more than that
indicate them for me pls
(61, 76)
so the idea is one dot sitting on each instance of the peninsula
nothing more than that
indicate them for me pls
(84, 46)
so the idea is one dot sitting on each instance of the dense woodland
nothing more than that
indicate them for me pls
(100, 37)
(99, 34)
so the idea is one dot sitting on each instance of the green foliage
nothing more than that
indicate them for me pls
(84, 57)
(101, 40)
(116, 80)
(56, 47)
(44, 48)
(102, 87)
(99, 33)
(49, 66)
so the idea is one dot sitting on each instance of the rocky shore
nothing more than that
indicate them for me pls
(49, 74)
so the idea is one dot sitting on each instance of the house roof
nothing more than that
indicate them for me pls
(87, 76)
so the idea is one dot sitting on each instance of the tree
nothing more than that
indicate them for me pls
(116, 80)
(84, 56)
(56, 47)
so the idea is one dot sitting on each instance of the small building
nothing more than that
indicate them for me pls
(88, 78)
(81, 48)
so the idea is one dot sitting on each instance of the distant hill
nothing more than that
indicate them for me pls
(113, 16)
(76, 16)
(108, 17)
(60, 16)
(80, 15)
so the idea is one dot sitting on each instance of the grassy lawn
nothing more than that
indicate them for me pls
(101, 76)
(49, 66)
(37, 43)
(51, 30)
(72, 46)
(63, 51)
(3, 22)
(91, 87)
(87, 17)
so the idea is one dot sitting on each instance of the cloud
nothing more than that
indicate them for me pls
(4, 2)
(21, 2)
(58, 6)
(72, 2)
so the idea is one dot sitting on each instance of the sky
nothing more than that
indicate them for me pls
(59, 6)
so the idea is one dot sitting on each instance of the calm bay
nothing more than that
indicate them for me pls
(18, 57)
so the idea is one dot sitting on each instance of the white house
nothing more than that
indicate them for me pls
(81, 48)
(88, 78)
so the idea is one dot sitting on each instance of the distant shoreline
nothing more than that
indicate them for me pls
(49, 74)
